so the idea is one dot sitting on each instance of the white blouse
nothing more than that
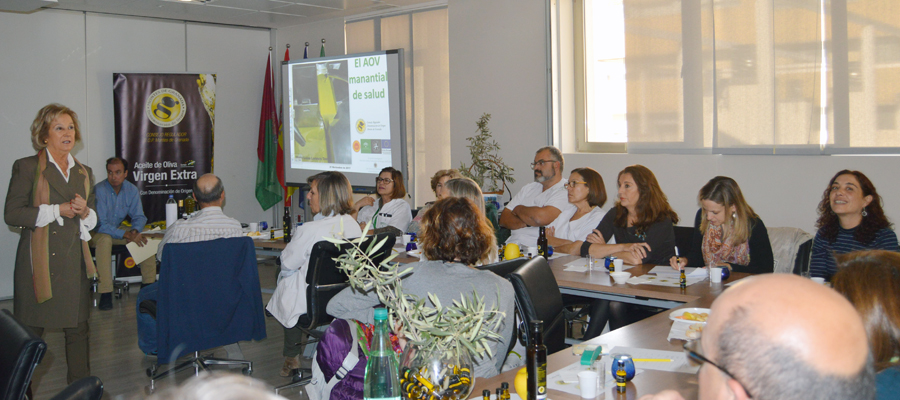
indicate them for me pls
(580, 228)
(396, 213)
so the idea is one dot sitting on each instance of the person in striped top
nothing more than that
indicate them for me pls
(851, 218)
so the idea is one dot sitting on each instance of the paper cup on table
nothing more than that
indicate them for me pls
(587, 380)
(619, 263)
(406, 239)
(818, 280)
(715, 274)
(254, 227)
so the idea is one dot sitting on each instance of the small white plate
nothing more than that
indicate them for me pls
(676, 315)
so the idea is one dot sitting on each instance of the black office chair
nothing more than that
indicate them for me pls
(20, 353)
(683, 237)
(505, 267)
(119, 285)
(804, 256)
(324, 281)
(90, 388)
(538, 298)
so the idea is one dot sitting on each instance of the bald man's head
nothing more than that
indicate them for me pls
(209, 191)
(786, 337)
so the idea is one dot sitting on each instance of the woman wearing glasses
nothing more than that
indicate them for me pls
(870, 280)
(587, 193)
(727, 232)
(330, 198)
(390, 213)
(850, 219)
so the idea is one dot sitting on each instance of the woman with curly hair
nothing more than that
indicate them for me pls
(870, 280)
(455, 235)
(850, 219)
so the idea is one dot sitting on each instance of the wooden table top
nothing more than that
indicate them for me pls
(650, 333)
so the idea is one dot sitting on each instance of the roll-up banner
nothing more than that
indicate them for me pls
(164, 130)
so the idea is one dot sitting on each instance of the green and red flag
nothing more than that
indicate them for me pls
(288, 191)
(268, 187)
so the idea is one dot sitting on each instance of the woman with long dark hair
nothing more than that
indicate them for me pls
(850, 219)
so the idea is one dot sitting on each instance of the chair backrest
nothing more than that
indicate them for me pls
(503, 268)
(804, 256)
(90, 388)
(538, 298)
(683, 237)
(325, 280)
(786, 243)
(20, 352)
(209, 296)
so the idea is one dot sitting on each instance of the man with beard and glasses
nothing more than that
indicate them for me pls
(538, 203)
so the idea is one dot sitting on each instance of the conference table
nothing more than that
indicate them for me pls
(650, 333)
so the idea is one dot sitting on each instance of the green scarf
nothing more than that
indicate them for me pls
(40, 239)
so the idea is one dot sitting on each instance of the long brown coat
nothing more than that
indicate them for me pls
(71, 302)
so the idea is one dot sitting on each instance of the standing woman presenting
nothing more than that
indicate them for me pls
(50, 198)
(390, 213)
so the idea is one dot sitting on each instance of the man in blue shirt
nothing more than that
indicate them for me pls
(117, 199)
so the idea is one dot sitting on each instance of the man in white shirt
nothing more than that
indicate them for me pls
(207, 224)
(539, 202)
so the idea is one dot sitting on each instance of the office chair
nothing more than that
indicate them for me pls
(538, 298)
(505, 267)
(683, 237)
(119, 286)
(90, 388)
(209, 296)
(324, 280)
(20, 353)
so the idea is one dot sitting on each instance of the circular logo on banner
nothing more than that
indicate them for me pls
(129, 263)
(165, 107)
(360, 125)
(356, 146)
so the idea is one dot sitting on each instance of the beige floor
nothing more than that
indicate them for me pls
(120, 364)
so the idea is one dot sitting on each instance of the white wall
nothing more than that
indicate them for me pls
(498, 65)
(69, 57)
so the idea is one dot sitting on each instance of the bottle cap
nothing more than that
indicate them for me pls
(380, 314)
(486, 393)
(504, 385)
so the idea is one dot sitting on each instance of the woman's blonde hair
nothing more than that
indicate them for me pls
(466, 188)
(335, 193)
(40, 127)
(725, 191)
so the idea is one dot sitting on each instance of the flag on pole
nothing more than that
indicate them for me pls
(322, 52)
(288, 191)
(268, 189)
(306, 51)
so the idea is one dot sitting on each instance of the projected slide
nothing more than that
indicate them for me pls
(341, 115)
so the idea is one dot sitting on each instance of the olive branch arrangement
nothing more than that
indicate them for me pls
(487, 165)
(467, 324)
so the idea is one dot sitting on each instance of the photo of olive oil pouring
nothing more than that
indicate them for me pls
(322, 115)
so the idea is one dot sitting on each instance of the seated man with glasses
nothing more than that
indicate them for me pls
(779, 336)
(538, 203)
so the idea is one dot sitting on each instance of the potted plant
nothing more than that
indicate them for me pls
(487, 167)
(442, 339)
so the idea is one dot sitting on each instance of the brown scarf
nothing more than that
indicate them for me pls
(40, 239)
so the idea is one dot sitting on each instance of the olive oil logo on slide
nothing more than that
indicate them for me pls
(360, 125)
(165, 107)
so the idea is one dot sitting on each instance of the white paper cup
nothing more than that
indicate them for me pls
(818, 280)
(587, 380)
(254, 227)
(619, 263)
(406, 239)
(715, 274)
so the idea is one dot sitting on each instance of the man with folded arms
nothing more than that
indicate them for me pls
(539, 202)
(117, 199)
(209, 223)
(781, 336)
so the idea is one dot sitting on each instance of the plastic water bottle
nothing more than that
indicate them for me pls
(382, 380)
(171, 211)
